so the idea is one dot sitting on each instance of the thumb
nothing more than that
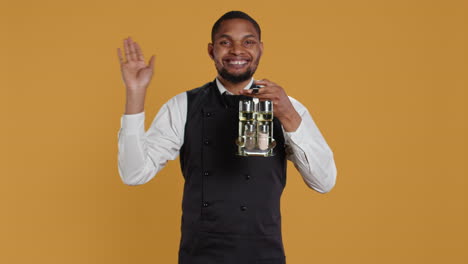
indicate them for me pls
(151, 62)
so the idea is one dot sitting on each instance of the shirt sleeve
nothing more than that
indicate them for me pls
(141, 155)
(310, 153)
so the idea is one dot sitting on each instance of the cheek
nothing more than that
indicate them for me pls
(256, 60)
(256, 55)
(218, 58)
(218, 64)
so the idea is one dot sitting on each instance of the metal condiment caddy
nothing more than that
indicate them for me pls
(255, 128)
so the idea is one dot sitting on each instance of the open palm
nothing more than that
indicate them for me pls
(136, 74)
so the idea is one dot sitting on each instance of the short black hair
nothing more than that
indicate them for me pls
(234, 15)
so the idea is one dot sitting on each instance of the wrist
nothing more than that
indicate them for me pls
(135, 104)
(290, 122)
(131, 109)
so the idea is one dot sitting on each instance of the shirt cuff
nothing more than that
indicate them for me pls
(132, 123)
(296, 137)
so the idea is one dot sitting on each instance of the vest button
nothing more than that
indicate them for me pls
(247, 177)
(206, 141)
(243, 208)
(206, 173)
(208, 114)
(205, 204)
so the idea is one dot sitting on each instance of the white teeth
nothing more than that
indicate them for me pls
(238, 62)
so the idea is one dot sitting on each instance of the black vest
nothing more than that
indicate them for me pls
(231, 204)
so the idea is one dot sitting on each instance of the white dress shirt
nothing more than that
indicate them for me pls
(141, 155)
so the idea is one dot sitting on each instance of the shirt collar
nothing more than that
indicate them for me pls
(222, 89)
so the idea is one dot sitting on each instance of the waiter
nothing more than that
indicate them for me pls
(231, 204)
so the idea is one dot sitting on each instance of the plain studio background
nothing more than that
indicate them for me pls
(385, 81)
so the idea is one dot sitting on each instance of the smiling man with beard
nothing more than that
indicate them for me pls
(235, 62)
(231, 204)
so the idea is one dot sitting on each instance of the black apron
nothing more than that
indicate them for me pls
(231, 204)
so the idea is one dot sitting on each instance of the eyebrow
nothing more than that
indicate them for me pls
(229, 37)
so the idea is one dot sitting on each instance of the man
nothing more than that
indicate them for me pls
(231, 204)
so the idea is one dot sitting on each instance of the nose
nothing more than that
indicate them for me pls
(237, 48)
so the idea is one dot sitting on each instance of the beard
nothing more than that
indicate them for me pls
(232, 78)
(236, 78)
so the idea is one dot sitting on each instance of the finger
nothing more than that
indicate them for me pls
(119, 54)
(260, 91)
(268, 96)
(127, 49)
(262, 81)
(265, 82)
(265, 90)
(132, 50)
(139, 52)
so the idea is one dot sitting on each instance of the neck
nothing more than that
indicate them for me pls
(234, 88)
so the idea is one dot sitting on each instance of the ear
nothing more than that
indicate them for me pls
(210, 50)
(261, 48)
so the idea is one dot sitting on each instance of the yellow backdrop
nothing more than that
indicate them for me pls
(385, 81)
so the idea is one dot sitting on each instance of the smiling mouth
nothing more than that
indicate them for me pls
(237, 64)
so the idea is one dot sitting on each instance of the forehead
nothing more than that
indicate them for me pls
(236, 28)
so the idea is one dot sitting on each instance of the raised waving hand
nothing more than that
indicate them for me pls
(136, 74)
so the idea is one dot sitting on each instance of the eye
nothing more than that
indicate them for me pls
(224, 42)
(250, 42)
